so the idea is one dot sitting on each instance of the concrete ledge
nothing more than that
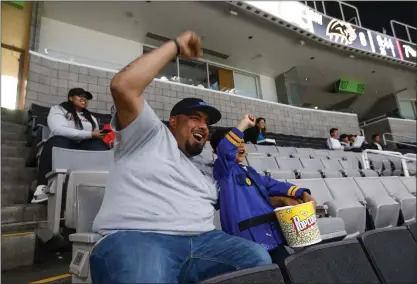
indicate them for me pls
(17, 250)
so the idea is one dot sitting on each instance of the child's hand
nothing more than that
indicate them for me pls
(307, 198)
(247, 122)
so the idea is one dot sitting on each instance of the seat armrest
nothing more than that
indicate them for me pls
(322, 207)
(87, 238)
(380, 200)
(55, 172)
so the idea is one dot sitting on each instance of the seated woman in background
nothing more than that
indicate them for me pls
(256, 133)
(73, 127)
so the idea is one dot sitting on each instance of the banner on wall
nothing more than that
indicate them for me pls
(338, 31)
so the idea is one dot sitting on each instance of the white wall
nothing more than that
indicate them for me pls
(269, 91)
(69, 42)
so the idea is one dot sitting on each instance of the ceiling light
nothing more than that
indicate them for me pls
(302, 42)
(46, 51)
(352, 56)
(316, 107)
(233, 12)
(306, 79)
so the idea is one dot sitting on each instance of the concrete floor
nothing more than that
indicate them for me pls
(55, 264)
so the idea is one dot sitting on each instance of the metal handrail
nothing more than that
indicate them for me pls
(365, 160)
(407, 27)
(363, 123)
(395, 135)
(400, 143)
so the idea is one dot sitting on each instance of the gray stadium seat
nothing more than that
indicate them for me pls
(337, 154)
(332, 168)
(261, 274)
(304, 153)
(286, 151)
(251, 148)
(312, 168)
(67, 167)
(262, 164)
(383, 209)
(289, 164)
(268, 149)
(392, 252)
(399, 192)
(381, 164)
(346, 191)
(338, 262)
(398, 168)
(88, 200)
(282, 175)
(321, 153)
(351, 212)
(410, 184)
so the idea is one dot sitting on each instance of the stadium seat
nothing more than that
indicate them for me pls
(346, 191)
(262, 164)
(399, 193)
(286, 151)
(267, 149)
(289, 164)
(88, 200)
(251, 148)
(397, 166)
(413, 230)
(410, 184)
(337, 154)
(304, 153)
(312, 168)
(332, 168)
(321, 153)
(282, 175)
(392, 252)
(67, 170)
(351, 213)
(338, 262)
(383, 209)
(380, 164)
(261, 274)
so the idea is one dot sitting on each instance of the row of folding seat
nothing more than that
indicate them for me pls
(354, 199)
(379, 256)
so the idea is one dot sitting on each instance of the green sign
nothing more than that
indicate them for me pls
(18, 4)
(350, 86)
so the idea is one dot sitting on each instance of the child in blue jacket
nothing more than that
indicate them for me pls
(245, 206)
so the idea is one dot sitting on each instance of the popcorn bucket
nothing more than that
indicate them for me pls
(298, 224)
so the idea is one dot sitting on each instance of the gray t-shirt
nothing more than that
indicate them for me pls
(153, 186)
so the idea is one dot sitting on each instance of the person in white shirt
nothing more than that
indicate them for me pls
(72, 127)
(333, 142)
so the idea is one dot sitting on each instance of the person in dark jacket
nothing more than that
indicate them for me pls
(375, 144)
(257, 132)
(245, 194)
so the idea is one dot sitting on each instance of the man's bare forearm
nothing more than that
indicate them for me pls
(134, 78)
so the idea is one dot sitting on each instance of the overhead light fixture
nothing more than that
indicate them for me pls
(306, 79)
(233, 12)
(316, 107)
(352, 56)
(46, 51)
(302, 42)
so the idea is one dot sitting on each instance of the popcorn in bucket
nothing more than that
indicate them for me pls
(298, 224)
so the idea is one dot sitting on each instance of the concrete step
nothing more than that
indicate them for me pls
(23, 213)
(17, 249)
(12, 127)
(12, 162)
(12, 193)
(8, 136)
(30, 226)
(15, 116)
(18, 175)
(14, 151)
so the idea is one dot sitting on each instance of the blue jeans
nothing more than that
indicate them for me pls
(139, 257)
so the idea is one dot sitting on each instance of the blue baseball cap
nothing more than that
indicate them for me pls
(188, 104)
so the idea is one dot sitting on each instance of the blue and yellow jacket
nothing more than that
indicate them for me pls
(244, 194)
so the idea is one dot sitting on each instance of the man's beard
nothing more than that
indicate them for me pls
(193, 149)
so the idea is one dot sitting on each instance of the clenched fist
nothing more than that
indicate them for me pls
(190, 44)
(247, 121)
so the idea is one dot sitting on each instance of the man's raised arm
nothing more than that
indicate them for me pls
(128, 85)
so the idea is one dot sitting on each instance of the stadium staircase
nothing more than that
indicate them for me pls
(20, 219)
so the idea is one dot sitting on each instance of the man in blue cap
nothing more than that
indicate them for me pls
(157, 215)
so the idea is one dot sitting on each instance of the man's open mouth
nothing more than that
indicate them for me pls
(198, 136)
(241, 152)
